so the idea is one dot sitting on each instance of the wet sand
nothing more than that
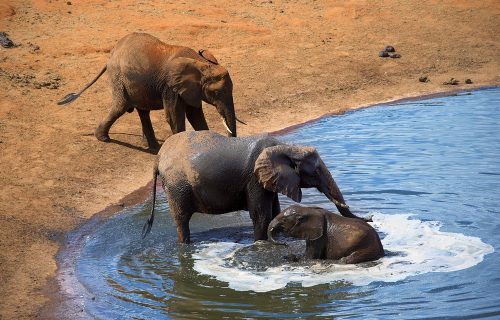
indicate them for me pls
(290, 63)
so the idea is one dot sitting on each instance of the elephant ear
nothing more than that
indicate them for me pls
(207, 55)
(185, 80)
(276, 169)
(310, 226)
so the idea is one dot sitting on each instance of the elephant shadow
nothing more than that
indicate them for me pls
(134, 147)
(129, 145)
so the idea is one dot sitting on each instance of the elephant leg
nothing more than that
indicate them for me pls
(175, 112)
(147, 129)
(183, 232)
(353, 258)
(117, 110)
(276, 206)
(196, 117)
(260, 206)
(182, 207)
(119, 106)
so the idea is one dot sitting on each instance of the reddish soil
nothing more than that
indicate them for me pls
(290, 61)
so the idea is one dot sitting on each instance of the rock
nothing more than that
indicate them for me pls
(394, 55)
(423, 79)
(69, 3)
(383, 54)
(5, 41)
(451, 82)
(468, 81)
(389, 49)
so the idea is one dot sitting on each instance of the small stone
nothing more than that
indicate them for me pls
(451, 82)
(395, 55)
(69, 3)
(383, 54)
(423, 79)
(389, 49)
(5, 41)
(468, 81)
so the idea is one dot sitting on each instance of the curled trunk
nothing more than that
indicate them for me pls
(272, 230)
(332, 192)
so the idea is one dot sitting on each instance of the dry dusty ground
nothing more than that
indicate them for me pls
(290, 61)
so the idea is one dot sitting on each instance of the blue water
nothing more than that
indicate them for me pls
(428, 171)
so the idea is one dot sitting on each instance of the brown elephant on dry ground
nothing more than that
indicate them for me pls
(328, 235)
(147, 74)
(203, 171)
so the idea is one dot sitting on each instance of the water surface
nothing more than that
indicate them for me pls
(428, 171)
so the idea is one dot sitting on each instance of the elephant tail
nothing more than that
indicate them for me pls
(147, 226)
(73, 96)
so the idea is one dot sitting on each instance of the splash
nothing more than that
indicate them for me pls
(415, 247)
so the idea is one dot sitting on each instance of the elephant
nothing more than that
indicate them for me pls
(328, 235)
(203, 171)
(148, 74)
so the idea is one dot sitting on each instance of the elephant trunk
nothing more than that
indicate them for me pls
(226, 110)
(331, 190)
(272, 230)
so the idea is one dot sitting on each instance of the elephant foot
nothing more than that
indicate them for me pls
(152, 145)
(154, 148)
(102, 137)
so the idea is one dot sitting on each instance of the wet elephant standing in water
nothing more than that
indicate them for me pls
(328, 235)
(147, 74)
(205, 172)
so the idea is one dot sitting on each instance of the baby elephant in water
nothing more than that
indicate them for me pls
(328, 235)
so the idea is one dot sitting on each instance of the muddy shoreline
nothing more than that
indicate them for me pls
(67, 295)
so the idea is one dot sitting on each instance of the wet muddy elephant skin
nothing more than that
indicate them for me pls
(205, 172)
(147, 74)
(328, 235)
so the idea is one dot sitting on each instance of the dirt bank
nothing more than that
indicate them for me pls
(290, 62)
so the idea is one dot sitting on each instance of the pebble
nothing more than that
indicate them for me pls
(383, 54)
(5, 41)
(389, 49)
(423, 79)
(468, 81)
(451, 82)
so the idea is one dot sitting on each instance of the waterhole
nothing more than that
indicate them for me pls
(427, 170)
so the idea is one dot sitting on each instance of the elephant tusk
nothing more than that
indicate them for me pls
(225, 126)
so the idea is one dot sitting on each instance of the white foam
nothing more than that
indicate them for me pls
(417, 247)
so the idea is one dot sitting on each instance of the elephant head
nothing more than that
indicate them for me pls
(286, 169)
(194, 80)
(307, 225)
